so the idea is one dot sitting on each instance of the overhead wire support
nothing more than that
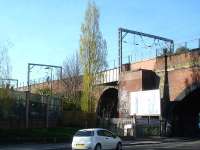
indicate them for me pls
(122, 32)
(9, 80)
(145, 34)
(31, 66)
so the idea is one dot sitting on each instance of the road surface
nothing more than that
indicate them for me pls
(141, 144)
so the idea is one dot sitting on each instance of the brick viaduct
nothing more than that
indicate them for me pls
(183, 71)
(183, 75)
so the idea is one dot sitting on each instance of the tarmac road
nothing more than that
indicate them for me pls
(176, 144)
(137, 144)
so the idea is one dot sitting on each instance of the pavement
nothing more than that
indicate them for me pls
(54, 146)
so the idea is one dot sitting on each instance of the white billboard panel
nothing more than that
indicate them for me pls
(145, 103)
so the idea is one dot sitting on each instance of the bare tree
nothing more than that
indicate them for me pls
(5, 67)
(6, 102)
(72, 80)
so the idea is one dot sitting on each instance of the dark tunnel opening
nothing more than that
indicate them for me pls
(108, 103)
(186, 116)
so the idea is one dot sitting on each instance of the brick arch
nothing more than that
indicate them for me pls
(185, 112)
(182, 82)
(187, 91)
(102, 90)
(108, 103)
(109, 87)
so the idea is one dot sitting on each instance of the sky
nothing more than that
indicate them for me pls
(48, 31)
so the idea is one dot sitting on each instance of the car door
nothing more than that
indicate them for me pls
(101, 138)
(110, 140)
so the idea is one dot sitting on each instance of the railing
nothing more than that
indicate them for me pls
(116, 124)
(108, 76)
(41, 109)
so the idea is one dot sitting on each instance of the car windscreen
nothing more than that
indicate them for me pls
(84, 133)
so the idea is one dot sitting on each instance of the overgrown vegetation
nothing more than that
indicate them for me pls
(148, 131)
(69, 104)
(6, 103)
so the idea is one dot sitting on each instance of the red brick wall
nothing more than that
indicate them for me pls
(180, 79)
(181, 73)
(131, 81)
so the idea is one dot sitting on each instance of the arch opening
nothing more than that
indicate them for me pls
(186, 115)
(108, 104)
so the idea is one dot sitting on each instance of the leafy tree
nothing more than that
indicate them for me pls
(93, 51)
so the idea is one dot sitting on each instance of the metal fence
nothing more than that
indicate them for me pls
(116, 124)
(26, 110)
(136, 127)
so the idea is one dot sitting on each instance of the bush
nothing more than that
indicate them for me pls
(147, 131)
(182, 49)
(6, 103)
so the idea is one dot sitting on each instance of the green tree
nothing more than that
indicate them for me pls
(93, 51)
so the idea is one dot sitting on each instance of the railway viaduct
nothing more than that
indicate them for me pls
(177, 77)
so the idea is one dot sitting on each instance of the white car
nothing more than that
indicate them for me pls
(96, 139)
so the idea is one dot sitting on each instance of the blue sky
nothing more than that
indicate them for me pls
(46, 31)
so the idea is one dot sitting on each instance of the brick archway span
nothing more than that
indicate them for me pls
(187, 91)
(108, 104)
(186, 112)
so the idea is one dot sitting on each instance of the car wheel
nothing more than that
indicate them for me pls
(98, 147)
(119, 146)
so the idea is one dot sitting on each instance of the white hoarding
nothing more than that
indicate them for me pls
(145, 103)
